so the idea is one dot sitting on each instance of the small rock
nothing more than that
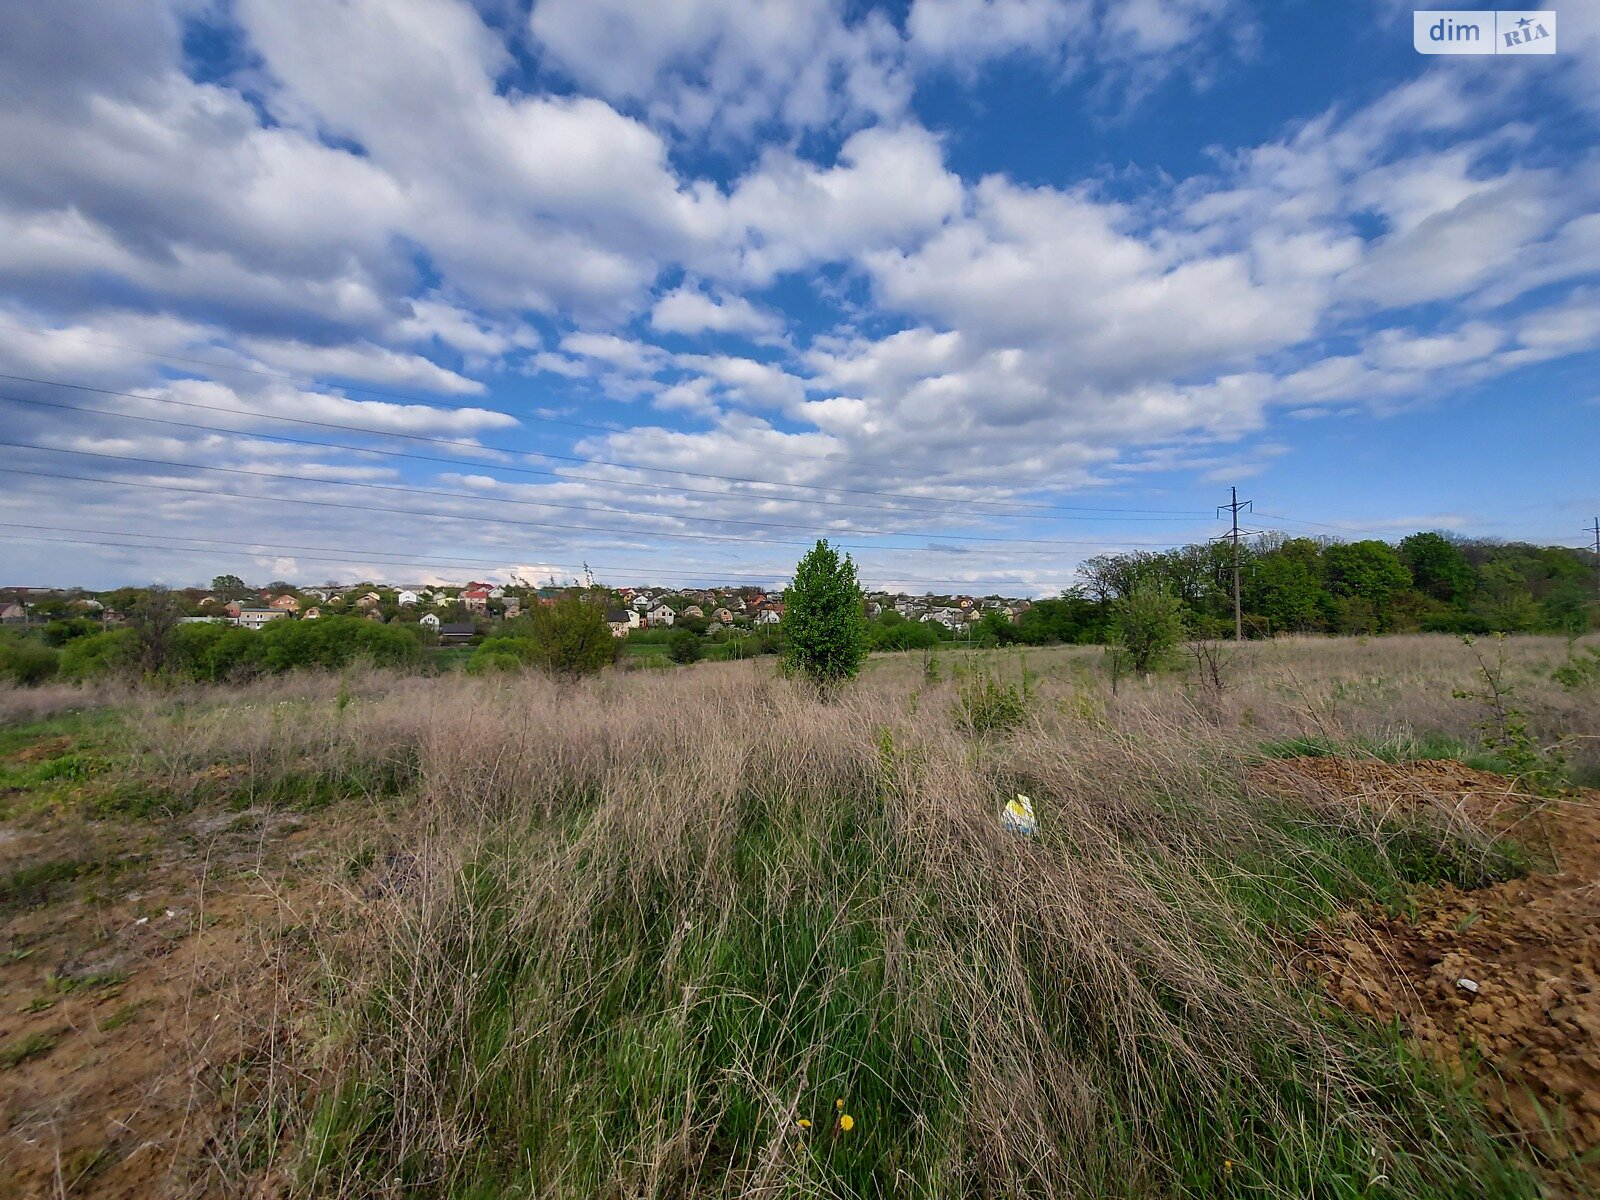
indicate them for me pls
(1467, 985)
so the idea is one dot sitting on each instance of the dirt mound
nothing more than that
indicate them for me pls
(1507, 977)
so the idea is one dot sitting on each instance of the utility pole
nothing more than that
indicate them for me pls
(1234, 507)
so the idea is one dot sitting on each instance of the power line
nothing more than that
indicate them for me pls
(384, 558)
(492, 499)
(598, 462)
(211, 493)
(556, 475)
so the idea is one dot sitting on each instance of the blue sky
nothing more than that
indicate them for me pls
(431, 289)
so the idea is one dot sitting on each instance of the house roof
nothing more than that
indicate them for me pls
(458, 627)
(616, 616)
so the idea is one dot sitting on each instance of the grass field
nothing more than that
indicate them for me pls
(701, 933)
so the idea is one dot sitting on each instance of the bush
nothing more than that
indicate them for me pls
(1580, 670)
(986, 705)
(500, 654)
(683, 647)
(26, 661)
(571, 638)
(100, 654)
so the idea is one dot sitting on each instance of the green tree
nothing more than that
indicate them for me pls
(571, 637)
(996, 629)
(1438, 568)
(1146, 624)
(227, 587)
(824, 618)
(1284, 588)
(155, 619)
(1369, 571)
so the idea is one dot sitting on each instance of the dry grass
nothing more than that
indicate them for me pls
(619, 937)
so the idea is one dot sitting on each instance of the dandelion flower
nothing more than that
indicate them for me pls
(847, 1122)
(803, 1123)
(1227, 1166)
(839, 1104)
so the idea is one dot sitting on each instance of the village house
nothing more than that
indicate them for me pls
(694, 610)
(430, 621)
(476, 600)
(405, 598)
(660, 615)
(311, 614)
(370, 600)
(513, 607)
(13, 614)
(286, 604)
(457, 631)
(254, 616)
(722, 616)
(621, 620)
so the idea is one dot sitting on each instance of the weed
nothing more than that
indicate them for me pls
(14, 1054)
(985, 704)
(1580, 671)
(1504, 728)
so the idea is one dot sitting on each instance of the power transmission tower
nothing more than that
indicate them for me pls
(1595, 529)
(1234, 508)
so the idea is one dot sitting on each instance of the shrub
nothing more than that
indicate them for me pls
(1580, 670)
(500, 654)
(26, 661)
(571, 638)
(683, 647)
(985, 704)
(100, 654)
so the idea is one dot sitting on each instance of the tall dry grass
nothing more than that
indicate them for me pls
(637, 929)
(624, 935)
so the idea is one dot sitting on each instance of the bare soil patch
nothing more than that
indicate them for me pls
(1502, 981)
(141, 975)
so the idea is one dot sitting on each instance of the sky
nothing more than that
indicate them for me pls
(429, 290)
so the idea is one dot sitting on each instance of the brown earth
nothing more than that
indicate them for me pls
(1502, 982)
(141, 991)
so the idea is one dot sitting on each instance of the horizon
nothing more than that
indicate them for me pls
(975, 289)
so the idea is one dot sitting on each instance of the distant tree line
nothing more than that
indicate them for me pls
(153, 644)
(1429, 582)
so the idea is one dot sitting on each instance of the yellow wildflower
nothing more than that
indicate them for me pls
(839, 1104)
(803, 1123)
(847, 1122)
(1227, 1166)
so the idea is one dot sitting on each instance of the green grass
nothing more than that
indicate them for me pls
(1310, 870)
(690, 1039)
(14, 1054)
(39, 883)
